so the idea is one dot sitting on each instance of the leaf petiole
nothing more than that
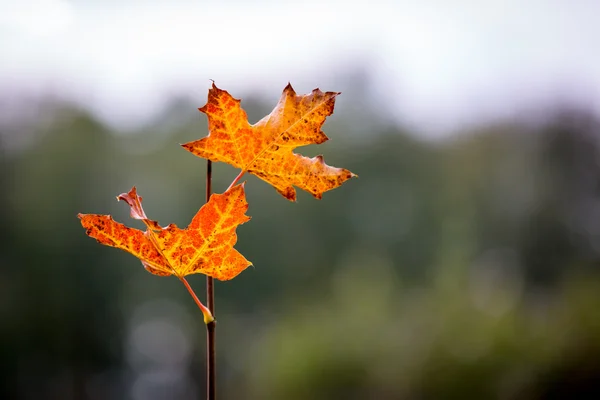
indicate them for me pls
(208, 317)
(237, 179)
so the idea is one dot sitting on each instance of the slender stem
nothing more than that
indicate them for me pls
(236, 180)
(211, 376)
(208, 317)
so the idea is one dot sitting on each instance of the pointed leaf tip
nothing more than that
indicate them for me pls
(135, 203)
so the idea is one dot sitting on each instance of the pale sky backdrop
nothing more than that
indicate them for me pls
(434, 64)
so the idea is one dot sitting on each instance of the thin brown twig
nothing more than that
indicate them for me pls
(211, 376)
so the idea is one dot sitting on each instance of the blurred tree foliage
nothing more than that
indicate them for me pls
(462, 268)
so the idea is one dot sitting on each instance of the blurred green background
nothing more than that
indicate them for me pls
(464, 263)
(458, 268)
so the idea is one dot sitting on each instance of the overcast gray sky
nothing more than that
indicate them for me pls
(441, 63)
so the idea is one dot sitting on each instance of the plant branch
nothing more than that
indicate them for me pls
(211, 377)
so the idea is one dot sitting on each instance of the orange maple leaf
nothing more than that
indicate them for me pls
(205, 246)
(265, 149)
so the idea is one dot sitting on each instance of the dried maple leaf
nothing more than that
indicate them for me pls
(265, 149)
(205, 246)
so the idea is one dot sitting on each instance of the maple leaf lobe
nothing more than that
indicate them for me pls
(135, 203)
(136, 211)
(265, 149)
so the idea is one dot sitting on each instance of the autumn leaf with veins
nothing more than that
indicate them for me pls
(205, 246)
(265, 149)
